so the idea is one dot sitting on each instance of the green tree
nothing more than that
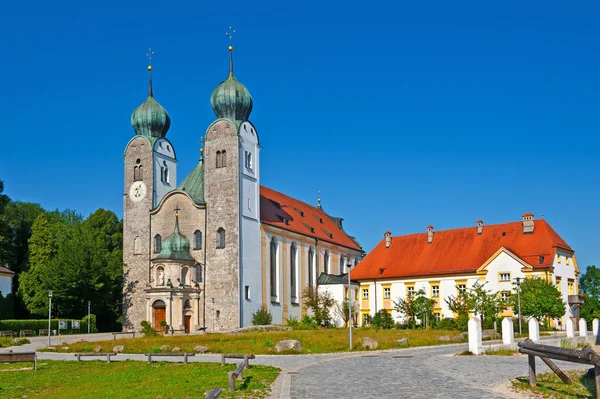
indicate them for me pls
(4, 229)
(418, 307)
(539, 299)
(320, 303)
(343, 311)
(589, 285)
(487, 304)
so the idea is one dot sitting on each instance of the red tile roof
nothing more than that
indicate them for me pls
(5, 270)
(280, 210)
(459, 251)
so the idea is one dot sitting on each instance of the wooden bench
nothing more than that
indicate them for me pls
(234, 356)
(179, 354)
(8, 333)
(18, 357)
(99, 354)
(43, 332)
(122, 333)
(237, 374)
(26, 333)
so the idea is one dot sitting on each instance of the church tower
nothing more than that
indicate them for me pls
(150, 173)
(231, 189)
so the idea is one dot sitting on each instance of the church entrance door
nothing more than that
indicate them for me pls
(187, 324)
(159, 310)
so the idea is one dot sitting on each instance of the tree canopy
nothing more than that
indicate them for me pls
(418, 307)
(487, 304)
(589, 285)
(539, 299)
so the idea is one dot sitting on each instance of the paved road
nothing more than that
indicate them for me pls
(428, 372)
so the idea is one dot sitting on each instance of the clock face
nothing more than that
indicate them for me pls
(137, 192)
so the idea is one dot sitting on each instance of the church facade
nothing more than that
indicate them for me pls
(207, 253)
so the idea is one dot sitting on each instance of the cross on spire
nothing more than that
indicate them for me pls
(177, 210)
(149, 54)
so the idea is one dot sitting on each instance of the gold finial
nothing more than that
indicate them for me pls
(230, 48)
(177, 211)
(201, 149)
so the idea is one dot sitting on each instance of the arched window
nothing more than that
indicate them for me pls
(219, 159)
(198, 272)
(165, 173)
(160, 276)
(184, 276)
(157, 243)
(197, 239)
(326, 262)
(221, 238)
(341, 264)
(137, 246)
(293, 271)
(273, 269)
(159, 304)
(311, 266)
(140, 172)
(223, 158)
(137, 170)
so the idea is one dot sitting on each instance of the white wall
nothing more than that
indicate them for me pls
(250, 234)
(565, 272)
(337, 291)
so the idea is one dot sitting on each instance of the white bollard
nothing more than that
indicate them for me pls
(582, 328)
(508, 332)
(534, 330)
(570, 328)
(596, 330)
(475, 345)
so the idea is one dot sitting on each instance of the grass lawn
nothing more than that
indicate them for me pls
(129, 379)
(550, 386)
(5, 342)
(263, 342)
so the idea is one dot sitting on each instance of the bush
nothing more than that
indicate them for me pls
(462, 322)
(41, 324)
(147, 329)
(383, 320)
(292, 321)
(92, 317)
(447, 323)
(262, 317)
(309, 322)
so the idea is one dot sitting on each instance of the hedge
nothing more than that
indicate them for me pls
(41, 324)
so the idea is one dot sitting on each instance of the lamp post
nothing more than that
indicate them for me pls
(518, 280)
(89, 319)
(49, 313)
(350, 303)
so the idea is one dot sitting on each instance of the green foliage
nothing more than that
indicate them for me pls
(383, 320)
(268, 342)
(309, 322)
(343, 311)
(462, 322)
(486, 303)
(148, 331)
(6, 342)
(589, 285)
(446, 324)
(41, 324)
(320, 303)
(539, 299)
(292, 321)
(262, 317)
(7, 306)
(418, 307)
(86, 319)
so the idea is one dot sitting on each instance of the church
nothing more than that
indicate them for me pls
(207, 253)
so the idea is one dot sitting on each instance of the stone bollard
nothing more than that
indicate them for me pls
(508, 332)
(475, 345)
(582, 328)
(570, 328)
(534, 330)
(596, 330)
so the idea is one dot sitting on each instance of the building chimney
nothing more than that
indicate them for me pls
(388, 239)
(429, 234)
(528, 223)
(479, 227)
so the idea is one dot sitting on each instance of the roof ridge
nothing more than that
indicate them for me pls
(295, 199)
(458, 228)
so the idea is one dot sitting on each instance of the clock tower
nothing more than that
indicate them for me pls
(150, 173)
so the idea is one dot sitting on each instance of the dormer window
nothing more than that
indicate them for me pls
(248, 160)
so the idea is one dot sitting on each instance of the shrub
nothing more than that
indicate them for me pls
(86, 320)
(268, 342)
(41, 324)
(462, 322)
(446, 324)
(292, 321)
(147, 329)
(383, 320)
(309, 322)
(262, 317)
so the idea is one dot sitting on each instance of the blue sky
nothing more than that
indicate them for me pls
(403, 114)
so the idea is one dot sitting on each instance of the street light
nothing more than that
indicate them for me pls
(518, 280)
(350, 304)
(89, 319)
(49, 314)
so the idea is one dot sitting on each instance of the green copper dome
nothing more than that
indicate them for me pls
(175, 246)
(231, 99)
(150, 119)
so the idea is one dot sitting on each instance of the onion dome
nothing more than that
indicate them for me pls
(231, 99)
(176, 246)
(150, 119)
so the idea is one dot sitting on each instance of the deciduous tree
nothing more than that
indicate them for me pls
(539, 299)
